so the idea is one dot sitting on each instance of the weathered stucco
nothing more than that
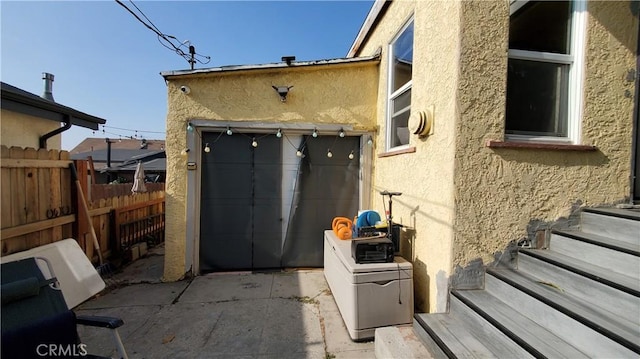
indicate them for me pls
(425, 177)
(325, 94)
(22, 130)
(463, 200)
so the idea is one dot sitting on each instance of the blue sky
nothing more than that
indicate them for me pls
(107, 64)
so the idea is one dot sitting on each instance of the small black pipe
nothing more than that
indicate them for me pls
(46, 136)
(108, 160)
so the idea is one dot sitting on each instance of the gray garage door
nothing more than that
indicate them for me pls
(264, 207)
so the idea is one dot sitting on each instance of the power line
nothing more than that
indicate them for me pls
(132, 130)
(192, 57)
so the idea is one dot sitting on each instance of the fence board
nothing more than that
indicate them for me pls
(55, 195)
(44, 187)
(31, 208)
(17, 196)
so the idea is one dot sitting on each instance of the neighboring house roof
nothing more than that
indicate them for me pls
(374, 15)
(117, 155)
(154, 161)
(94, 144)
(18, 100)
(275, 65)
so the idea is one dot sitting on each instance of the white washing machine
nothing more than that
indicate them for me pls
(369, 295)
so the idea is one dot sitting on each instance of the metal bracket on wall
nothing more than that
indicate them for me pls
(191, 166)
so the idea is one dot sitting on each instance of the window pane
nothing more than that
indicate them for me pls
(401, 109)
(402, 101)
(537, 98)
(541, 26)
(402, 58)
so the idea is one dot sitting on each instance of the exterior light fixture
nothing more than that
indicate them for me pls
(283, 91)
(229, 132)
(315, 133)
(207, 149)
(279, 134)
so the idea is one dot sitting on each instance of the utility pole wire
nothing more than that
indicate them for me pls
(190, 58)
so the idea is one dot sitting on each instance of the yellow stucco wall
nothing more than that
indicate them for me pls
(22, 130)
(329, 94)
(464, 200)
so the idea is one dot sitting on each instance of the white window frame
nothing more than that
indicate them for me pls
(393, 95)
(575, 60)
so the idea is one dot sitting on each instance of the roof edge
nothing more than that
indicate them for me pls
(378, 8)
(275, 65)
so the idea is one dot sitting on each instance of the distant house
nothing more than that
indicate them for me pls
(30, 120)
(113, 159)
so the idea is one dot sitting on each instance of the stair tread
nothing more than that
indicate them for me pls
(620, 281)
(458, 341)
(572, 306)
(546, 343)
(632, 214)
(603, 241)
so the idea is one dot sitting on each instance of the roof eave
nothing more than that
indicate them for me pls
(78, 118)
(373, 17)
(271, 66)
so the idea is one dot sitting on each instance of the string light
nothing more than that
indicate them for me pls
(189, 127)
(315, 133)
(229, 132)
(351, 155)
(341, 134)
(185, 152)
(329, 153)
(299, 153)
(279, 134)
(254, 143)
(370, 141)
(207, 149)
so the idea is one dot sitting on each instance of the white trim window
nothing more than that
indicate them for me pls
(544, 79)
(399, 100)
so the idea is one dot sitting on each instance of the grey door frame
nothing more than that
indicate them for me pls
(194, 175)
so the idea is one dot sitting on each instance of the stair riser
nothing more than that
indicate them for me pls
(616, 261)
(622, 229)
(619, 303)
(570, 330)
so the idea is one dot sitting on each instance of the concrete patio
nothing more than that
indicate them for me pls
(288, 314)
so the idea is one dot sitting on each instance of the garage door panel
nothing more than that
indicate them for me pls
(266, 250)
(228, 252)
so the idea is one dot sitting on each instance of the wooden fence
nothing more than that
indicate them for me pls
(100, 191)
(40, 204)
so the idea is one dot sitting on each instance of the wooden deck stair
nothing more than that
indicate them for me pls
(578, 298)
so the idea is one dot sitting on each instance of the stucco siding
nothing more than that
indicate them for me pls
(425, 177)
(24, 131)
(508, 194)
(330, 94)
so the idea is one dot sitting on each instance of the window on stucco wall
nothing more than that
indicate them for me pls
(544, 79)
(399, 100)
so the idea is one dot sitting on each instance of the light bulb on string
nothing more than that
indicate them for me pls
(279, 134)
(329, 153)
(207, 149)
(254, 143)
(229, 132)
(315, 133)
(351, 155)
(341, 134)
(370, 141)
(189, 127)
(299, 153)
(184, 152)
